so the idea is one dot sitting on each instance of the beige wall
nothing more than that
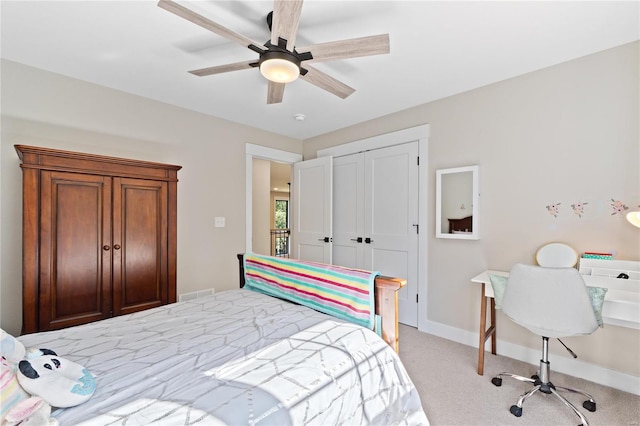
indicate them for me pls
(261, 206)
(45, 109)
(565, 134)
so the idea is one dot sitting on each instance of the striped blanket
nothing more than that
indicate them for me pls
(338, 291)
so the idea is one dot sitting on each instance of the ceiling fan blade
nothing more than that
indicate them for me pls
(275, 92)
(326, 82)
(286, 16)
(219, 69)
(208, 24)
(351, 48)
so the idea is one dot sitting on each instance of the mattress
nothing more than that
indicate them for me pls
(236, 357)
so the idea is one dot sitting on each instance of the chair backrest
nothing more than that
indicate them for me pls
(556, 255)
(551, 302)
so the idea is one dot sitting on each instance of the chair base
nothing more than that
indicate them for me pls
(543, 384)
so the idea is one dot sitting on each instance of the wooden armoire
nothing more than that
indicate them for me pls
(99, 237)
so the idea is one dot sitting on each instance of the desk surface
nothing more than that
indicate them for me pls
(621, 303)
(483, 278)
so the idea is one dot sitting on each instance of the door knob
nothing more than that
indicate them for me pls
(325, 239)
(116, 247)
(368, 240)
(358, 240)
(105, 247)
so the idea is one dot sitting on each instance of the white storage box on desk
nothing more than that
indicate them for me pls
(622, 301)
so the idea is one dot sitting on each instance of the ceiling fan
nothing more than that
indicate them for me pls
(280, 60)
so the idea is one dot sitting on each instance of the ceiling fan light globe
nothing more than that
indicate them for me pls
(279, 70)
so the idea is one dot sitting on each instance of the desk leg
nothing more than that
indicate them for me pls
(485, 333)
(493, 326)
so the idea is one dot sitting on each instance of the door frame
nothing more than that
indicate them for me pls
(264, 153)
(420, 134)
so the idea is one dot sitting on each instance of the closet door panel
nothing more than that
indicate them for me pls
(140, 245)
(348, 207)
(75, 256)
(392, 194)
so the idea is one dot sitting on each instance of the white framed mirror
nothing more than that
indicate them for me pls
(457, 203)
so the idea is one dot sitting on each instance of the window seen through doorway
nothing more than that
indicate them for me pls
(282, 214)
(280, 235)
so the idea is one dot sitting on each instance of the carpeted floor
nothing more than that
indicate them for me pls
(452, 393)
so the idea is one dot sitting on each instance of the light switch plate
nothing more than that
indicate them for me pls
(219, 222)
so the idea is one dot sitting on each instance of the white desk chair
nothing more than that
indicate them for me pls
(550, 302)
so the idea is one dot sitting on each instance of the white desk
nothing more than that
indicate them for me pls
(621, 304)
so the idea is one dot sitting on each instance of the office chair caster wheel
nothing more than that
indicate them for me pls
(497, 381)
(589, 405)
(535, 377)
(516, 411)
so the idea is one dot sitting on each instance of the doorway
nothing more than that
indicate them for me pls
(261, 214)
(419, 134)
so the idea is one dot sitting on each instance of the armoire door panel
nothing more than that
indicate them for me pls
(75, 270)
(140, 244)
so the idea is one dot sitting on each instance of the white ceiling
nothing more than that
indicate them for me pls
(437, 49)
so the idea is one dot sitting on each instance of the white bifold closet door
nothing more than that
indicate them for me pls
(375, 217)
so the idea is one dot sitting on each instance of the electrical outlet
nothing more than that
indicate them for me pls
(219, 222)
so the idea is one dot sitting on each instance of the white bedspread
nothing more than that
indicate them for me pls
(237, 357)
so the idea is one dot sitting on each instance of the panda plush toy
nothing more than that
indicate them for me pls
(58, 381)
(17, 407)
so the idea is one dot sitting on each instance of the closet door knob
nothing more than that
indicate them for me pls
(105, 247)
(116, 247)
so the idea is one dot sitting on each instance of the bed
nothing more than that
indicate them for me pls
(464, 225)
(235, 357)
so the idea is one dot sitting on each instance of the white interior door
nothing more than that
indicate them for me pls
(391, 220)
(312, 210)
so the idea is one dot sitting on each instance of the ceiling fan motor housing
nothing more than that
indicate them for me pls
(276, 54)
(280, 52)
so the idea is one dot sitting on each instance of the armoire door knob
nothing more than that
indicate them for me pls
(105, 247)
(116, 247)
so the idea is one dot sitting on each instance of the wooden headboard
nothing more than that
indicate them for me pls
(464, 225)
(386, 296)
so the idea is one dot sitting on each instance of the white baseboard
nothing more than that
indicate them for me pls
(572, 367)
